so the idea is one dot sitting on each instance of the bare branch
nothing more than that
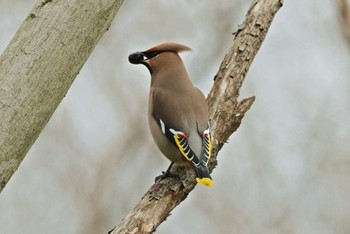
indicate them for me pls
(226, 114)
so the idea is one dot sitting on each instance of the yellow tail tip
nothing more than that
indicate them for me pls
(205, 181)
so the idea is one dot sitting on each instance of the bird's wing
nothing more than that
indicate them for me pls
(207, 146)
(177, 115)
(184, 111)
(179, 139)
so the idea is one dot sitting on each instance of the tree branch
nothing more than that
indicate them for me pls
(38, 67)
(226, 113)
(344, 10)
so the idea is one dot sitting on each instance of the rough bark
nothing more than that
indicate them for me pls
(38, 67)
(226, 113)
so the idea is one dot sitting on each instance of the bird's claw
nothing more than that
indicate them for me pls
(166, 175)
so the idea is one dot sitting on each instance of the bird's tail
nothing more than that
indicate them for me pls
(203, 176)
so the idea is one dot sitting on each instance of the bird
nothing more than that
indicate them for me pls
(178, 113)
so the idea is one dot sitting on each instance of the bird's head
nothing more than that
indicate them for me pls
(155, 56)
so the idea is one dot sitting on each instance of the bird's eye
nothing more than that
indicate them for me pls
(150, 55)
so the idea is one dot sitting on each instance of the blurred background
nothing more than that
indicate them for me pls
(285, 170)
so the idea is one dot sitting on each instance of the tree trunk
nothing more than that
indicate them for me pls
(38, 67)
(226, 113)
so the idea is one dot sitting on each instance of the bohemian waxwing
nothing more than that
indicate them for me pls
(178, 112)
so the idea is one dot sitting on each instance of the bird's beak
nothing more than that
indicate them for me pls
(137, 58)
(140, 58)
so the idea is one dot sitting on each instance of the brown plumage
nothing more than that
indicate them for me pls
(178, 112)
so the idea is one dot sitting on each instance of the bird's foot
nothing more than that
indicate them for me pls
(166, 175)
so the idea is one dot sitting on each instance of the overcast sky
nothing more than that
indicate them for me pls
(286, 169)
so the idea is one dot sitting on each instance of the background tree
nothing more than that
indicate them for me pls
(38, 67)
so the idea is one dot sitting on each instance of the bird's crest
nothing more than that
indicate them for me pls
(173, 47)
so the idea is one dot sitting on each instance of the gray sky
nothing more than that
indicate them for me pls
(286, 169)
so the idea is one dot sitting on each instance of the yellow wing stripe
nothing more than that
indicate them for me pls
(181, 148)
(208, 147)
(181, 142)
